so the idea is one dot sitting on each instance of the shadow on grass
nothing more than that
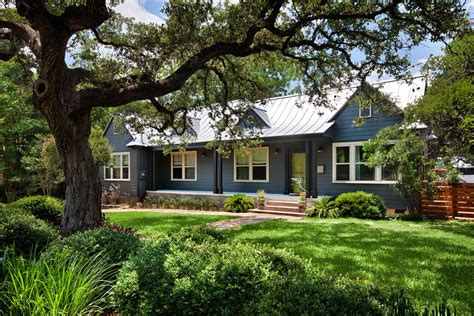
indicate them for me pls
(429, 261)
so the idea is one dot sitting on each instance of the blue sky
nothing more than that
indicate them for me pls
(150, 9)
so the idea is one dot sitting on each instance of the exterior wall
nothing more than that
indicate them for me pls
(343, 131)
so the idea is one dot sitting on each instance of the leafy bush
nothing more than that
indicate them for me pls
(361, 205)
(63, 285)
(27, 233)
(191, 272)
(114, 246)
(238, 203)
(42, 207)
(323, 208)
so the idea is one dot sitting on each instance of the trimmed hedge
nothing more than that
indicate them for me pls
(360, 205)
(43, 207)
(24, 232)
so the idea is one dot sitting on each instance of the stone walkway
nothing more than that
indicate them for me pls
(244, 218)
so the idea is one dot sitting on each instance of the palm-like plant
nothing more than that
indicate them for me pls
(323, 208)
(238, 203)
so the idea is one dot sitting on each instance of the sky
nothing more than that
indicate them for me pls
(150, 11)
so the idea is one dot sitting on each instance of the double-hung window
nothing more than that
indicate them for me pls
(349, 166)
(183, 166)
(251, 165)
(119, 169)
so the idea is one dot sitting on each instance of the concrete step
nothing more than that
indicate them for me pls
(281, 203)
(282, 208)
(298, 214)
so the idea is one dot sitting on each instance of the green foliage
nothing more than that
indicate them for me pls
(100, 147)
(42, 207)
(323, 208)
(63, 285)
(26, 233)
(448, 105)
(238, 203)
(115, 247)
(403, 150)
(360, 205)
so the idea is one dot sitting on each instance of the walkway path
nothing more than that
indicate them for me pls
(243, 218)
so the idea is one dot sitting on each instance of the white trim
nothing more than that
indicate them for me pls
(121, 154)
(352, 164)
(370, 112)
(183, 166)
(250, 166)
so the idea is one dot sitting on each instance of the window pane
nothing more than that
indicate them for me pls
(125, 173)
(389, 173)
(364, 173)
(189, 173)
(242, 157)
(116, 173)
(177, 173)
(189, 160)
(259, 173)
(342, 154)
(342, 172)
(259, 156)
(177, 159)
(116, 160)
(365, 111)
(359, 154)
(107, 173)
(242, 173)
(125, 160)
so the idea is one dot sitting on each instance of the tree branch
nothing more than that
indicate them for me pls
(22, 32)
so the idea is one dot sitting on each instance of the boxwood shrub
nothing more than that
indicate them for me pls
(24, 232)
(360, 205)
(43, 207)
(188, 273)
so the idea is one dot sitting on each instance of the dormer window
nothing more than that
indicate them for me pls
(365, 111)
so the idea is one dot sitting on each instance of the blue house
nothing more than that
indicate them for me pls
(305, 148)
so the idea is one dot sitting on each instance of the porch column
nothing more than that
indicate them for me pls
(309, 162)
(218, 184)
(286, 168)
(314, 164)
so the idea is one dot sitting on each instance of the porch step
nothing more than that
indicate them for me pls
(282, 203)
(298, 214)
(282, 208)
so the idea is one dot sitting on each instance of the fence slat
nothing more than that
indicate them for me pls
(450, 201)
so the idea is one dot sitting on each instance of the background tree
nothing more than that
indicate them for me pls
(448, 105)
(332, 42)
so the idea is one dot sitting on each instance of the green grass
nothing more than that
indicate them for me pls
(152, 223)
(430, 260)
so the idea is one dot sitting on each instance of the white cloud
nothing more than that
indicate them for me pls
(421, 61)
(133, 9)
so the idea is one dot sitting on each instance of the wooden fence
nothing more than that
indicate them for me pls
(451, 201)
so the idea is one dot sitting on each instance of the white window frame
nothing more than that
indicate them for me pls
(250, 165)
(183, 154)
(352, 165)
(370, 112)
(121, 154)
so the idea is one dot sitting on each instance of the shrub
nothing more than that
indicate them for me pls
(361, 205)
(191, 272)
(63, 285)
(27, 233)
(238, 203)
(114, 246)
(42, 207)
(323, 208)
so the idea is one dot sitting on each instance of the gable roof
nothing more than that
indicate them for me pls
(296, 114)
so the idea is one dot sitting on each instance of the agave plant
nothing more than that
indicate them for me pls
(323, 208)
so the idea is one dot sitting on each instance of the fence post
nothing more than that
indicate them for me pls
(454, 199)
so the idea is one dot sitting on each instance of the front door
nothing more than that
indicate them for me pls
(298, 173)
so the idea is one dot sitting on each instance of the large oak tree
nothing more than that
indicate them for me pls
(202, 54)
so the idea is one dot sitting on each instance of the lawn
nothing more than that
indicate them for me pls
(152, 223)
(431, 260)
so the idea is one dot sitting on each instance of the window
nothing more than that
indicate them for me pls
(119, 169)
(183, 166)
(365, 111)
(349, 166)
(251, 165)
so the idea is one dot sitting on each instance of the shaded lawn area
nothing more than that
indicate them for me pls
(152, 223)
(430, 260)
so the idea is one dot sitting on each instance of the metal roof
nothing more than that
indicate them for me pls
(297, 114)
